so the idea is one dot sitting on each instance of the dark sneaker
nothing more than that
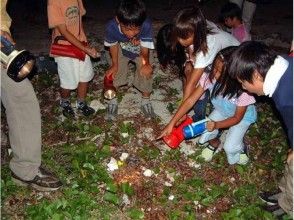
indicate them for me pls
(111, 111)
(43, 181)
(270, 198)
(148, 111)
(85, 110)
(276, 210)
(67, 110)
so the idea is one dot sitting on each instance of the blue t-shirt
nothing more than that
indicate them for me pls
(114, 35)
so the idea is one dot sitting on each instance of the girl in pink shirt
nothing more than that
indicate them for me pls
(233, 110)
(231, 16)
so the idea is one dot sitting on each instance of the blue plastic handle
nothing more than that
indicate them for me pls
(8, 47)
(195, 129)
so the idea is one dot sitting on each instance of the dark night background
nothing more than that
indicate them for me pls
(273, 19)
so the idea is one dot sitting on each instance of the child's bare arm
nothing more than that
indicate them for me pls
(73, 40)
(229, 122)
(145, 56)
(183, 109)
(192, 82)
(113, 50)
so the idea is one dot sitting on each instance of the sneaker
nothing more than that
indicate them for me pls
(208, 152)
(244, 157)
(67, 110)
(111, 111)
(270, 198)
(85, 110)
(43, 181)
(276, 210)
(148, 110)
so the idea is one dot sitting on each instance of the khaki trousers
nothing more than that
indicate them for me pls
(24, 122)
(142, 83)
(286, 185)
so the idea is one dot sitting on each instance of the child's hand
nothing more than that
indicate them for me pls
(290, 156)
(91, 51)
(210, 126)
(146, 70)
(112, 71)
(166, 131)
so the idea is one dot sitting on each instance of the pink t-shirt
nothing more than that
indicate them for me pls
(68, 12)
(243, 100)
(241, 33)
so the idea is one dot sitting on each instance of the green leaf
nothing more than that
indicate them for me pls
(111, 197)
(135, 214)
(110, 187)
(127, 189)
(88, 165)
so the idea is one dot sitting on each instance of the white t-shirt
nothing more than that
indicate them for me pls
(215, 42)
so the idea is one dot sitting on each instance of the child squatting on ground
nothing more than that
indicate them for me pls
(65, 18)
(129, 38)
(262, 72)
(231, 16)
(202, 40)
(232, 109)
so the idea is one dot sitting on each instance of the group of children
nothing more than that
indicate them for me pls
(213, 65)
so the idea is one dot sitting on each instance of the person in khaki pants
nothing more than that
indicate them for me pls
(24, 121)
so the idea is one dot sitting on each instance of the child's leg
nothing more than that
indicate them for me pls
(144, 84)
(121, 78)
(85, 71)
(234, 145)
(200, 107)
(68, 81)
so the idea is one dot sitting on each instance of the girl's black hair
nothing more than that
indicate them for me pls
(190, 21)
(131, 12)
(166, 55)
(225, 85)
(230, 10)
(249, 57)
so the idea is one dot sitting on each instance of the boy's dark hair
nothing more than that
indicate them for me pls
(230, 10)
(131, 12)
(189, 21)
(249, 57)
(165, 54)
(225, 85)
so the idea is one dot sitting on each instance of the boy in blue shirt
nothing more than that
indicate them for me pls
(262, 72)
(129, 38)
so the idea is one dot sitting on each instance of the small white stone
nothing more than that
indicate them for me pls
(125, 199)
(125, 135)
(124, 156)
(171, 197)
(112, 165)
(148, 173)
(167, 184)
(96, 105)
(232, 179)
